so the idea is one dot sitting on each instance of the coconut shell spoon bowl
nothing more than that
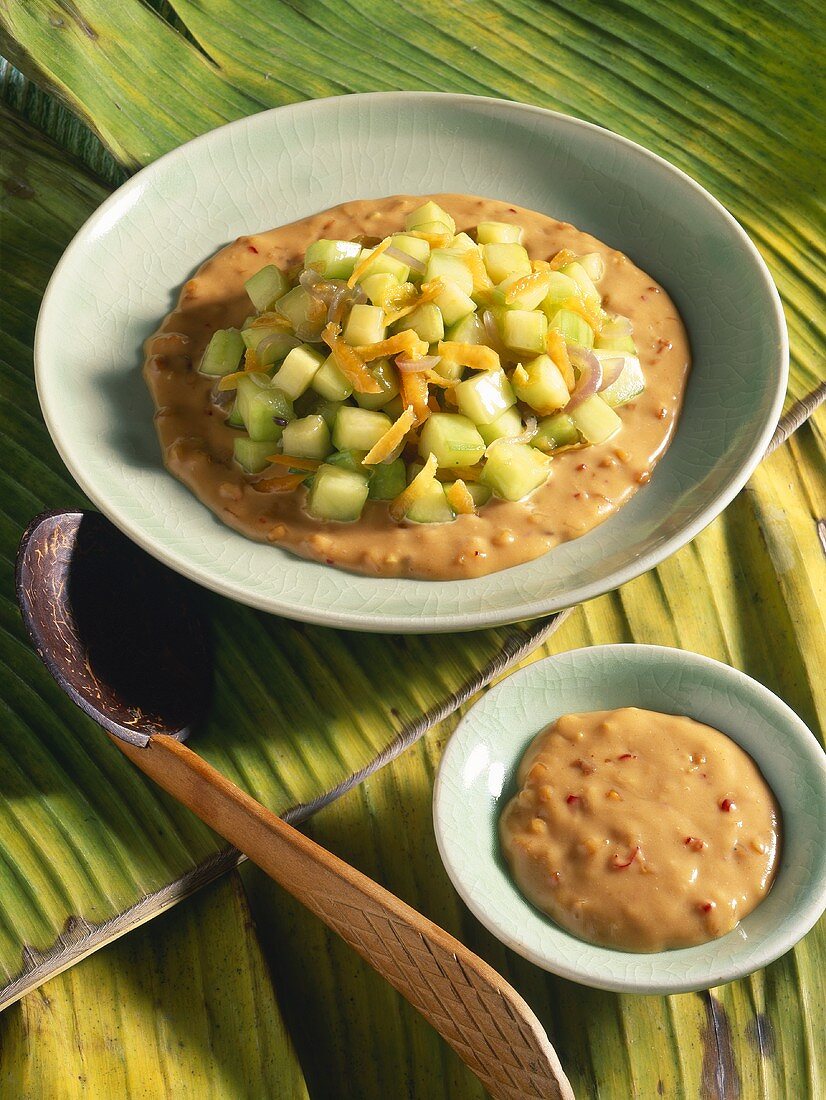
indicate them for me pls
(122, 636)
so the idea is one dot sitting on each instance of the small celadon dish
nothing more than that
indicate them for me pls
(123, 271)
(477, 777)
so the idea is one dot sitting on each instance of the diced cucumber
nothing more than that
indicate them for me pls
(616, 336)
(453, 303)
(252, 455)
(358, 429)
(461, 243)
(498, 233)
(540, 384)
(365, 325)
(412, 246)
(555, 431)
(630, 383)
(436, 229)
(449, 368)
(513, 470)
(561, 287)
(595, 420)
(481, 493)
(307, 438)
(330, 382)
(503, 427)
(574, 329)
(384, 265)
(234, 420)
(449, 266)
(385, 374)
(387, 480)
(502, 260)
(269, 342)
(525, 330)
(426, 321)
(429, 212)
(431, 506)
(378, 288)
(337, 494)
(593, 265)
(223, 353)
(266, 287)
(470, 330)
(296, 373)
(587, 289)
(452, 438)
(263, 407)
(484, 396)
(299, 307)
(349, 460)
(530, 298)
(333, 259)
(327, 409)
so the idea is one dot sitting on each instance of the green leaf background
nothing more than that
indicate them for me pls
(238, 992)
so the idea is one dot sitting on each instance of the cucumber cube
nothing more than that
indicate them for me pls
(327, 409)
(452, 438)
(266, 287)
(616, 336)
(413, 246)
(498, 233)
(387, 481)
(378, 288)
(555, 431)
(630, 383)
(426, 321)
(349, 460)
(333, 259)
(481, 493)
(307, 438)
(531, 298)
(587, 289)
(504, 427)
(574, 329)
(359, 429)
(540, 384)
(431, 506)
(429, 212)
(365, 325)
(269, 343)
(330, 382)
(252, 455)
(453, 303)
(384, 265)
(299, 307)
(525, 330)
(561, 288)
(470, 330)
(502, 260)
(449, 266)
(596, 421)
(513, 470)
(461, 243)
(484, 396)
(223, 352)
(263, 407)
(234, 419)
(337, 494)
(298, 370)
(385, 374)
(593, 265)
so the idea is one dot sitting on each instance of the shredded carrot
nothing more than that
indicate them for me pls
(406, 342)
(459, 498)
(349, 362)
(537, 280)
(308, 464)
(251, 361)
(429, 291)
(563, 257)
(481, 280)
(414, 394)
(435, 240)
(419, 485)
(365, 262)
(558, 351)
(475, 356)
(437, 380)
(284, 484)
(270, 320)
(391, 440)
(540, 265)
(230, 381)
(433, 404)
(588, 311)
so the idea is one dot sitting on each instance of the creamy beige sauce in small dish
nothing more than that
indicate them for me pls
(639, 830)
(585, 486)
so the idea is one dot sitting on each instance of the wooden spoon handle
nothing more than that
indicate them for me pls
(485, 1021)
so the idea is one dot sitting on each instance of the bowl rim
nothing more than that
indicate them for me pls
(438, 622)
(663, 980)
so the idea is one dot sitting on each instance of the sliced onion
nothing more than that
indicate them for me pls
(594, 266)
(612, 368)
(405, 258)
(590, 375)
(416, 366)
(280, 340)
(531, 428)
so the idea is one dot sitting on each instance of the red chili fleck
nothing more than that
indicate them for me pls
(706, 906)
(621, 866)
(694, 843)
(252, 248)
(727, 805)
(628, 756)
(582, 466)
(572, 798)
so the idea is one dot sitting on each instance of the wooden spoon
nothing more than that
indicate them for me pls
(121, 635)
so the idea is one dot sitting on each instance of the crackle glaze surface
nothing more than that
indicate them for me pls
(477, 777)
(123, 271)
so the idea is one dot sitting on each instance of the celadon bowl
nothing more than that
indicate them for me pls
(124, 269)
(476, 779)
